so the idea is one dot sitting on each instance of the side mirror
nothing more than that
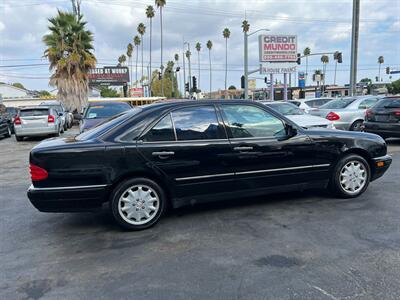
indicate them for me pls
(60, 114)
(290, 131)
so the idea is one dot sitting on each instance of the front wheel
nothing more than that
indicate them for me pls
(8, 134)
(350, 177)
(138, 203)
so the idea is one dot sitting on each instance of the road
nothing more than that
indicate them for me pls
(293, 246)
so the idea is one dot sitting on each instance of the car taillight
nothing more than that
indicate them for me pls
(332, 116)
(368, 113)
(50, 119)
(37, 173)
(17, 121)
(397, 113)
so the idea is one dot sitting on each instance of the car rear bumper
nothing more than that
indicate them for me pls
(68, 199)
(19, 131)
(385, 129)
(381, 164)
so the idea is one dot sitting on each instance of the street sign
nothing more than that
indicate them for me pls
(278, 68)
(136, 92)
(108, 76)
(302, 82)
(252, 84)
(278, 48)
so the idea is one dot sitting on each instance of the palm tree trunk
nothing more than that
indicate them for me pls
(209, 57)
(198, 63)
(137, 57)
(162, 81)
(226, 61)
(150, 77)
(379, 73)
(306, 70)
(142, 64)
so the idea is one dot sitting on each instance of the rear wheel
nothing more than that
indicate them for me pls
(19, 138)
(8, 134)
(357, 125)
(138, 203)
(351, 176)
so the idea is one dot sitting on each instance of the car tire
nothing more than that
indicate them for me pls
(350, 177)
(65, 127)
(57, 134)
(357, 125)
(19, 138)
(8, 134)
(138, 203)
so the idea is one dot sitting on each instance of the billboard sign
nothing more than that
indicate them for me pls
(278, 48)
(278, 68)
(108, 76)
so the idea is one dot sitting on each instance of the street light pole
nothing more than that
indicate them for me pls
(354, 46)
(246, 61)
(184, 69)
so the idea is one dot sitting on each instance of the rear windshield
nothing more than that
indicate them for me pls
(297, 103)
(108, 125)
(33, 112)
(388, 103)
(286, 109)
(100, 111)
(338, 103)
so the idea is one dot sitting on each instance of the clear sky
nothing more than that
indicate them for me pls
(322, 25)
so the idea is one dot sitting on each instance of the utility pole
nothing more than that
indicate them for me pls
(184, 69)
(354, 46)
(246, 67)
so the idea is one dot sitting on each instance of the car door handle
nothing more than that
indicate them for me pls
(243, 148)
(163, 153)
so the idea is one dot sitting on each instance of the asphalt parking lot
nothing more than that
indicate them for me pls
(292, 246)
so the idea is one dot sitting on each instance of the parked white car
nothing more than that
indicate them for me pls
(298, 116)
(310, 103)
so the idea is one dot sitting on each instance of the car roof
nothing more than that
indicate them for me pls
(50, 103)
(106, 103)
(34, 107)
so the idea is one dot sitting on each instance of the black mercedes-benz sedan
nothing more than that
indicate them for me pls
(186, 152)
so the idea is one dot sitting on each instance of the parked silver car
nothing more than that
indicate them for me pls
(66, 117)
(346, 113)
(298, 116)
(37, 121)
(309, 104)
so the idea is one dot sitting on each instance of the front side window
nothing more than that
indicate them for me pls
(197, 123)
(162, 131)
(245, 121)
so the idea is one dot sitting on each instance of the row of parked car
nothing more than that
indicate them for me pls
(49, 118)
(375, 114)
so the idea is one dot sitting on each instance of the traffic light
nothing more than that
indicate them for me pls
(266, 79)
(159, 76)
(194, 83)
(178, 69)
(242, 84)
(387, 70)
(339, 57)
(298, 59)
(187, 86)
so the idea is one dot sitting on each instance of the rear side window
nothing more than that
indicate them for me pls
(162, 131)
(367, 103)
(33, 112)
(338, 103)
(388, 103)
(197, 123)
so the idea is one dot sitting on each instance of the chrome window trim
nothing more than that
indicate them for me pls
(204, 176)
(32, 188)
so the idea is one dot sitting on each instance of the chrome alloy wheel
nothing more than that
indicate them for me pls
(139, 204)
(353, 177)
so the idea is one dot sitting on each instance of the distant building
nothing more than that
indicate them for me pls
(10, 91)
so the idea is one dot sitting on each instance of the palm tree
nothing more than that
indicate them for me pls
(188, 54)
(137, 41)
(68, 49)
(324, 60)
(160, 4)
(150, 15)
(121, 60)
(198, 48)
(129, 51)
(381, 60)
(226, 33)
(142, 30)
(176, 57)
(209, 47)
(306, 53)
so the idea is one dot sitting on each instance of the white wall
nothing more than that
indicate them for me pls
(8, 91)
